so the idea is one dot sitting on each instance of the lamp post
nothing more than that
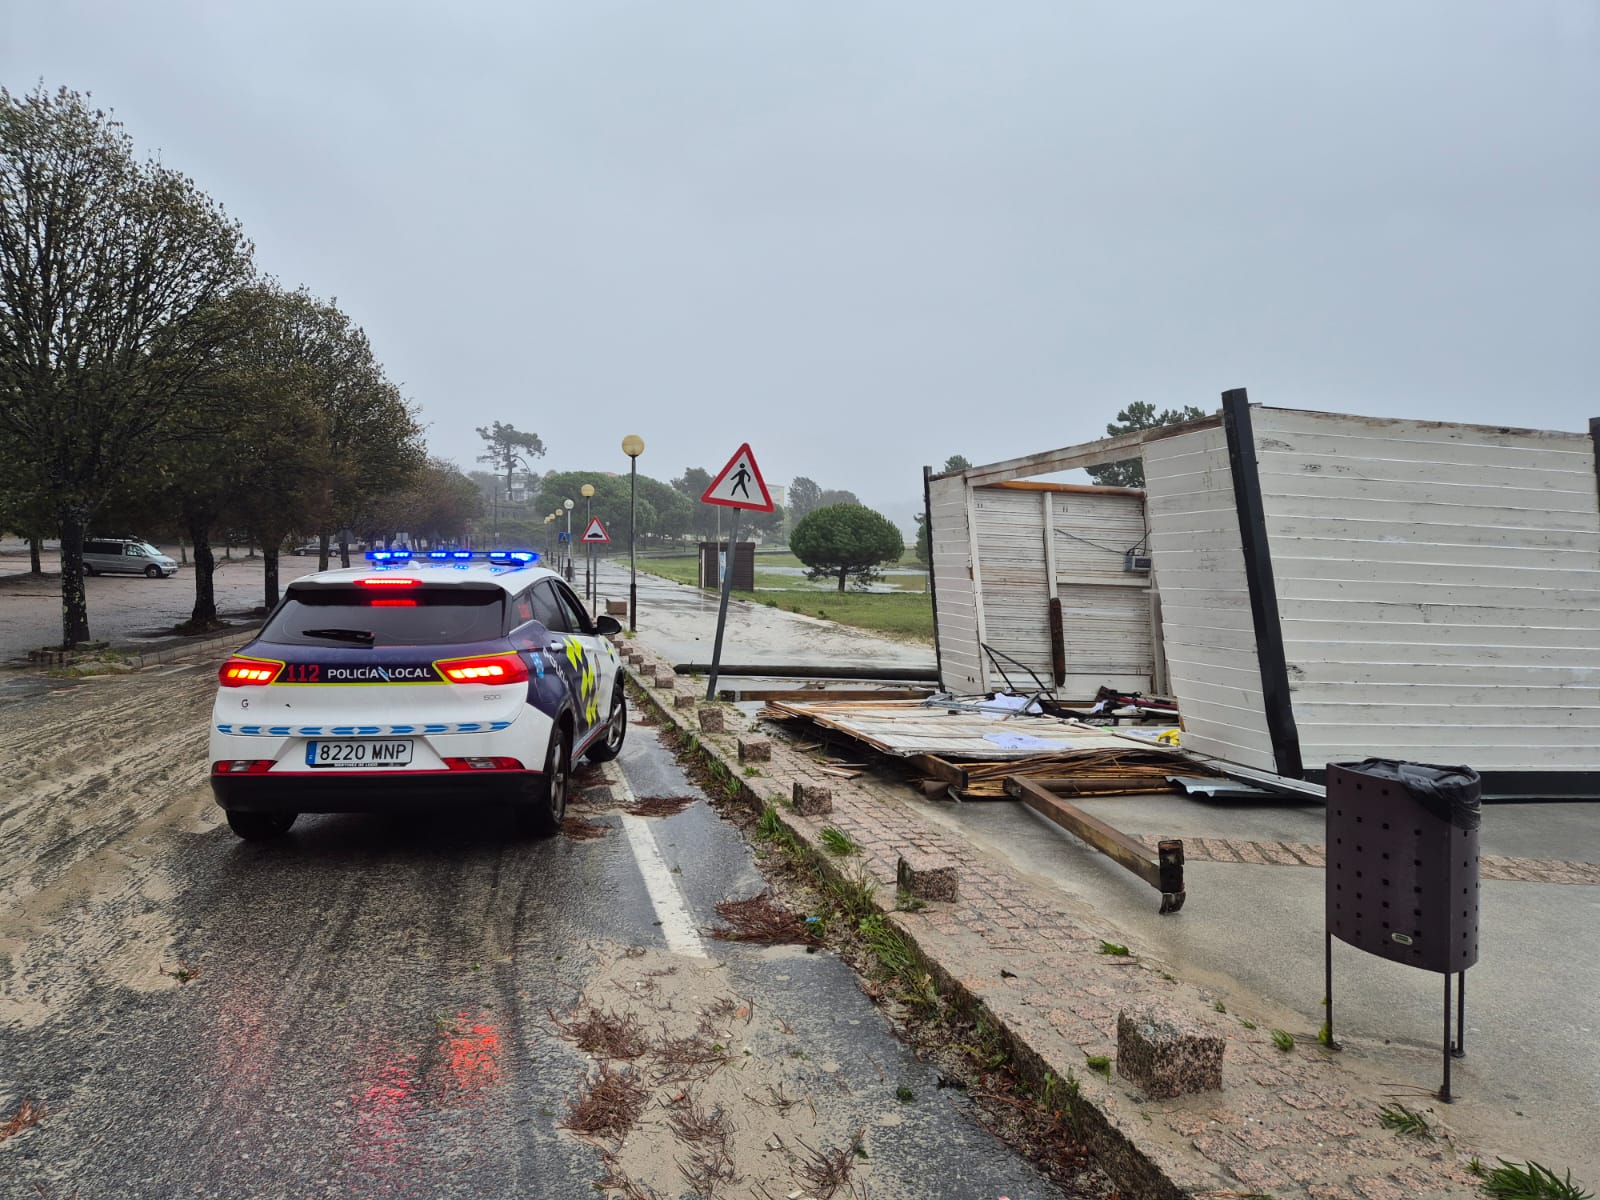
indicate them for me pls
(547, 521)
(567, 504)
(633, 446)
(587, 492)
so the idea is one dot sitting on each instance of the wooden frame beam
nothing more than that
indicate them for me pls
(1164, 873)
(1086, 454)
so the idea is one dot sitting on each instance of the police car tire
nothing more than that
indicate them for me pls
(546, 804)
(605, 749)
(259, 826)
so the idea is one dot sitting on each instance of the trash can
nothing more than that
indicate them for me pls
(1403, 861)
(1402, 875)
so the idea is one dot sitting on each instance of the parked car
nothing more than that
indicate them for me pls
(459, 677)
(126, 556)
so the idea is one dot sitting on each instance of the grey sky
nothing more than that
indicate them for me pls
(863, 236)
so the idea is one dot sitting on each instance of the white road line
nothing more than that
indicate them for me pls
(677, 926)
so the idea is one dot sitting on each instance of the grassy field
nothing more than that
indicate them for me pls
(906, 613)
(684, 568)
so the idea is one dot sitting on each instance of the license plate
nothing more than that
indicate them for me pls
(361, 752)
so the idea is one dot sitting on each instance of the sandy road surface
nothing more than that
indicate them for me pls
(94, 771)
(383, 1007)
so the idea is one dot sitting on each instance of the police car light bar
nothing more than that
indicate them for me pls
(395, 557)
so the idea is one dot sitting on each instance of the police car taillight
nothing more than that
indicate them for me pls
(242, 766)
(492, 668)
(388, 581)
(247, 672)
(484, 764)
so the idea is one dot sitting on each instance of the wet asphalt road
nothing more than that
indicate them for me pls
(368, 1015)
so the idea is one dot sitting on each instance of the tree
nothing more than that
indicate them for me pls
(1138, 415)
(836, 496)
(435, 506)
(506, 447)
(110, 270)
(956, 462)
(924, 541)
(804, 497)
(847, 541)
(692, 484)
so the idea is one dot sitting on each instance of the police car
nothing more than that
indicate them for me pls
(443, 678)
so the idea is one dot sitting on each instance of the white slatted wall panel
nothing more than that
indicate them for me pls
(1439, 589)
(951, 545)
(1014, 590)
(1105, 609)
(1205, 605)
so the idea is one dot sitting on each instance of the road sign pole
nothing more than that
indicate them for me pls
(722, 609)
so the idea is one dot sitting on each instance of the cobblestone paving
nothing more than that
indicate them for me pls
(1302, 1123)
(1303, 854)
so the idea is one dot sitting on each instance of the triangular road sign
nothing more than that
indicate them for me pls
(739, 484)
(596, 532)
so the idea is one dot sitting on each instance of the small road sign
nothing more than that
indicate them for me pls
(596, 532)
(563, 536)
(739, 484)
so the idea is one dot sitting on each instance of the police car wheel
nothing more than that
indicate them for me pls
(258, 826)
(153, 571)
(610, 746)
(546, 803)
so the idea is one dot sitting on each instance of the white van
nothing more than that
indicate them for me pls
(125, 556)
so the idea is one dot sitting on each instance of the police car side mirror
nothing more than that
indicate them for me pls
(607, 625)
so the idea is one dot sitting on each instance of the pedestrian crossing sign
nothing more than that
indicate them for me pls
(739, 484)
(596, 532)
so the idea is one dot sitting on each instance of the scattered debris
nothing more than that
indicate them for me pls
(662, 806)
(687, 1059)
(611, 1105)
(691, 1122)
(762, 919)
(604, 1034)
(29, 1113)
(824, 1172)
(580, 829)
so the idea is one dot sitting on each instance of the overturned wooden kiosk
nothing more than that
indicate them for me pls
(1310, 587)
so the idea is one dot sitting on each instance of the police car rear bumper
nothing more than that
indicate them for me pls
(367, 791)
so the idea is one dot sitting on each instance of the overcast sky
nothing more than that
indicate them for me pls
(864, 236)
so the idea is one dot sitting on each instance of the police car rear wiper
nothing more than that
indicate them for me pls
(364, 636)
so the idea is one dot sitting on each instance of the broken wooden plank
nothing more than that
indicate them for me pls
(1165, 874)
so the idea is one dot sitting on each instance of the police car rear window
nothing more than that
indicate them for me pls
(423, 616)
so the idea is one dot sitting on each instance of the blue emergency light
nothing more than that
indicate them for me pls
(401, 555)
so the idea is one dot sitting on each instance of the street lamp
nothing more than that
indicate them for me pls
(587, 492)
(547, 521)
(633, 446)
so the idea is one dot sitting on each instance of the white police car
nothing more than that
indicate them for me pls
(453, 677)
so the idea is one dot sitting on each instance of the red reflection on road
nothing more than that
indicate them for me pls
(384, 1108)
(469, 1058)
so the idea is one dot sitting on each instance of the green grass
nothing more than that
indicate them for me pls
(904, 615)
(1283, 1040)
(1530, 1181)
(685, 568)
(1403, 1120)
(1115, 949)
(837, 841)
